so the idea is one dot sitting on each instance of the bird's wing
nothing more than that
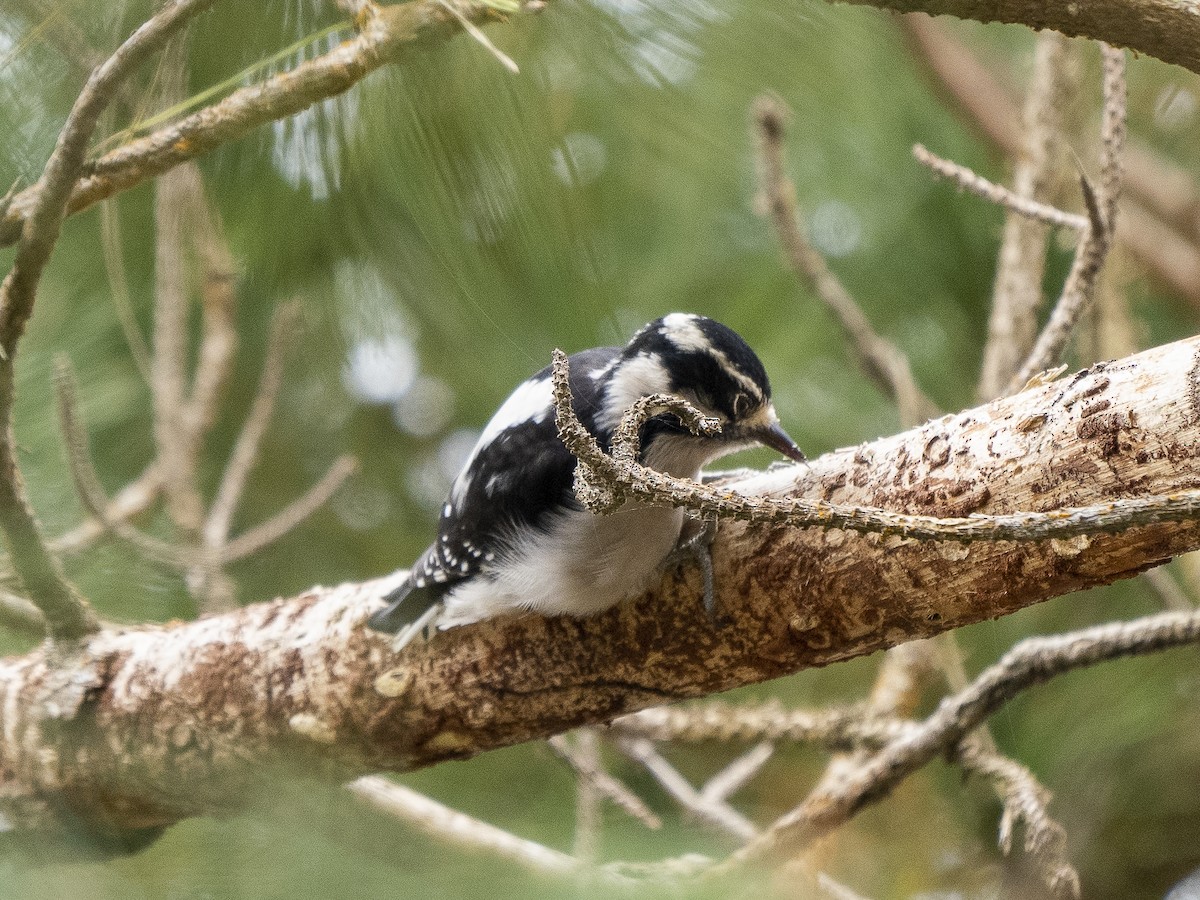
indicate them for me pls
(517, 476)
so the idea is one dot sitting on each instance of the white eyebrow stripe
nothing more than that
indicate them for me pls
(682, 331)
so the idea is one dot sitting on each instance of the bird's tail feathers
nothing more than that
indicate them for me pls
(394, 616)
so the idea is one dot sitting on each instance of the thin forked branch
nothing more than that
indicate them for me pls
(293, 514)
(1097, 237)
(881, 360)
(1017, 293)
(245, 451)
(1033, 661)
(976, 184)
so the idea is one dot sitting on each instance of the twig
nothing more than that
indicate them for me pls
(293, 514)
(245, 451)
(21, 616)
(114, 265)
(714, 812)
(997, 193)
(606, 784)
(1159, 226)
(1097, 237)
(132, 500)
(834, 728)
(1174, 597)
(87, 484)
(475, 32)
(603, 483)
(219, 340)
(176, 444)
(385, 37)
(730, 779)
(881, 361)
(67, 614)
(588, 814)
(1025, 803)
(1033, 661)
(448, 825)
(1021, 262)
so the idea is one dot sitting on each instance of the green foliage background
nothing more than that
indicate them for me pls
(478, 219)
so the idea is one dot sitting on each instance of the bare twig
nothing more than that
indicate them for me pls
(66, 612)
(21, 616)
(730, 779)
(880, 359)
(606, 784)
(293, 514)
(114, 264)
(87, 484)
(245, 451)
(1159, 223)
(589, 816)
(1021, 262)
(176, 445)
(1174, 597)
(219, 340)
(1033, 661)
(445, 824)
(1097, 237)
(835, 728)
(475, 32)
(1017, 203)
(708, 809)
(1025, 803)
(132, 500)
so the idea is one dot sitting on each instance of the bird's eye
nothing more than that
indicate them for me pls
(741, 406)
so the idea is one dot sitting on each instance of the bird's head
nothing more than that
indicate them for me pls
(710, 366)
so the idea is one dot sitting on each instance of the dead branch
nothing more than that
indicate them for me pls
(1021, 262)
(1010, 199)
(588, 769)
(446, 824)
(1024, 801)
(709, 809)
(881, 360)
(1033, 661)
(1097, 237)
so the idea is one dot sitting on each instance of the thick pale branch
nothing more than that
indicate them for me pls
(1166, 29)
(146, 726)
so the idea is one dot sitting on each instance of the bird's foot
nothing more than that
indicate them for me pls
(696, 545)
(425, 625)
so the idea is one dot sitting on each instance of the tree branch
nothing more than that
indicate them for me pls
(881, 360)
(302, 680)
(386, 35)
(67, 614)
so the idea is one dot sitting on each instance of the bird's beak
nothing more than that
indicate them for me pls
(776, 438)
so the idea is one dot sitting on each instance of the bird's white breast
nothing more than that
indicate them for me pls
(583, 564)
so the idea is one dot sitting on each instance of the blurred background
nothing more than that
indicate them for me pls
(443, 226)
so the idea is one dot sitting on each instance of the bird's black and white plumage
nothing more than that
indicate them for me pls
(512, 535)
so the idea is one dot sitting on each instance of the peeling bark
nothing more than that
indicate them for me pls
(135, 729)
